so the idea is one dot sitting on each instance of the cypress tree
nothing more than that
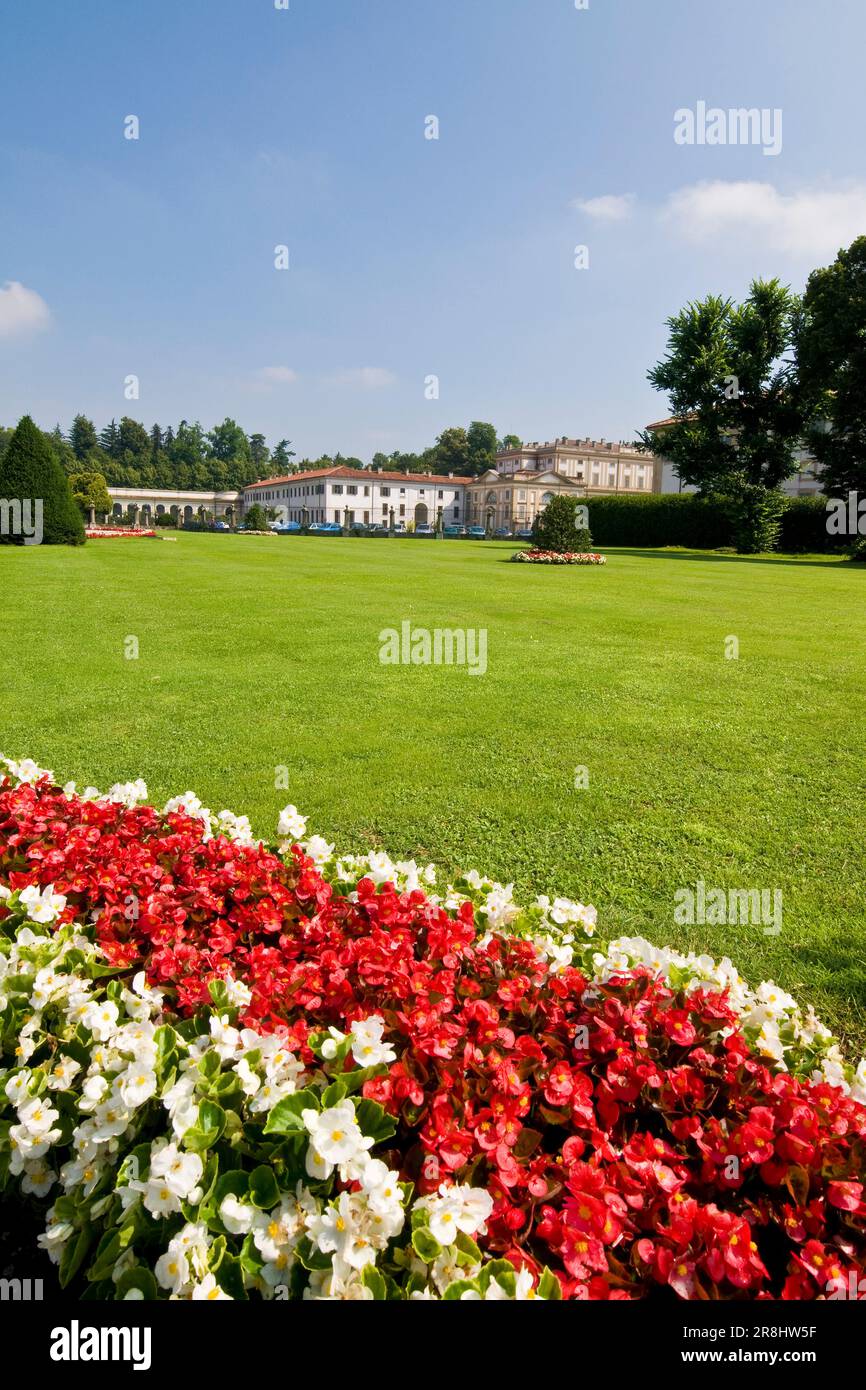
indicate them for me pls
(29, 472)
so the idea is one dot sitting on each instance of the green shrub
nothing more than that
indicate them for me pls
(702, 523)
(559, 527)
(755, 514)
(29, 471)
(256, 518)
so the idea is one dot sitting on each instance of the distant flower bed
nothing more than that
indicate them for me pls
(555, 557)
(236, 1071)
(97, 533)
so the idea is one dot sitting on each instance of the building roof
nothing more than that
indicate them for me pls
(600, 446)
(672, 420)
(367, 475)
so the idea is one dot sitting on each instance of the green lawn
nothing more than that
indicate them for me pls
(258, 653)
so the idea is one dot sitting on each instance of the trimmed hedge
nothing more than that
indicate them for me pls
(698, 523)
(29, 472)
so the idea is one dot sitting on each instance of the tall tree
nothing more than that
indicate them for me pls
(83, 437)
(259, 453)
(737, 417)
(452, 451)
(482, 442)
(831, 357)
(282, 456)
(228, 441)
(30, 473)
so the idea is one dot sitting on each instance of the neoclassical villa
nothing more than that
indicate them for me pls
(508, 496)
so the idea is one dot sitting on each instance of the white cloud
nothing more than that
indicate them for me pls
(811, 222)
(280, 376)
(612, 207)
(368, 378)
(21, 310)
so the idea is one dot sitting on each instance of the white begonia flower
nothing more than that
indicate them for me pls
(210, 1291)
(62, 1073)
(335, 1136)
(42, 907)
(180, 1171)
(137, 1084)
(38, 1117)
(235, 828)
(16, 1086)
(368, 1049)
(128, 794)
(172, 1270)
(27, 771)
(291, 825)
(158, 1197)
(38, 1179)
(239, 994)
(250, 1081)
(331, 1045)
(110, 1119)
(456, 1209)
(101, 1019)
(225, 1039)
(236, 1216)
(318, 849)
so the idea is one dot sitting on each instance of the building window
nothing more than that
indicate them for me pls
(352, 490)
(402, 509)
(338, 489)
(386, 492)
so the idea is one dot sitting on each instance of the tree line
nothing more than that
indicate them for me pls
(128, 454)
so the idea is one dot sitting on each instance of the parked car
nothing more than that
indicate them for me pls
(424, 530)
(286, 528)
(523, 535)
(221, 526)
(454, 532)
(477, 533)
(400, 528)
(326, 528)
(377, 529)
(503, 534)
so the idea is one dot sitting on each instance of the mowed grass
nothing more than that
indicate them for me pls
(256, 654)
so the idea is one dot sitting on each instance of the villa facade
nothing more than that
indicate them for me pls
(351, 497)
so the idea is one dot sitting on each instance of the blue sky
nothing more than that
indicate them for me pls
(409, 257)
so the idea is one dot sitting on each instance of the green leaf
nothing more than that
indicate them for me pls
(73, 1256)
(137, 1278)
(285, 1118)
(264, 1192)
(374, 1121)
(210, 1066)
(425, 1245)
(216, 1254)
(503, 1272)
(231, 1278)
(334, 1094)
(467, 1251)
(211, 1123)
(549, 1286)
(455, 1291)
(107, 1254)
(373, 1280)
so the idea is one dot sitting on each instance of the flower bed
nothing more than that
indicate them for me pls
(235, 1071)
(556, 557)
(99, 533)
